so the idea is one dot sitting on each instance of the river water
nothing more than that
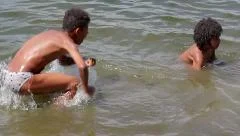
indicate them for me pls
(141, 88)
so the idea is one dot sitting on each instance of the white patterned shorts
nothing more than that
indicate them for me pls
(15, 80)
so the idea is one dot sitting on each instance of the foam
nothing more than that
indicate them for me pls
(81, 98)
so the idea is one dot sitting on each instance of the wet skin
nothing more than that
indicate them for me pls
(196, 58)
(39, 51)
(42, 49)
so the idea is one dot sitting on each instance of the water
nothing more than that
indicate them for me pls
(141, 87)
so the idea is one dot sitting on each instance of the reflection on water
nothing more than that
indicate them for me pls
(142, 89)
(57, 121)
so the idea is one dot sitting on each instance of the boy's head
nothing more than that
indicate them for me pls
(207, 33)
(75, 22)
(90, 62)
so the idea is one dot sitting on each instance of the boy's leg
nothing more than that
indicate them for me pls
(45, 83)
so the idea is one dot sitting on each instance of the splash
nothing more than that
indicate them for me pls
(81, 98)
(10, 100)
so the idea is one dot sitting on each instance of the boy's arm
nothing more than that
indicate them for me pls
(75, 54)
(191, 63)
(197, 63)
(193, 57)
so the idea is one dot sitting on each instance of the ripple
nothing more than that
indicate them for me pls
(144, 89)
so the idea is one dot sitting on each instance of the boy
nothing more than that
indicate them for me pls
(24, 76)
(207, 34)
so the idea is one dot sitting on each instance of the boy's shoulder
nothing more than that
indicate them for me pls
(55, 35)
(52, 31)
(191, 53)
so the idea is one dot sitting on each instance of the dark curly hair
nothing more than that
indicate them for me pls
(74, 18)
(205, 30)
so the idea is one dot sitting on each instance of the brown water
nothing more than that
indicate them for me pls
(142, 89)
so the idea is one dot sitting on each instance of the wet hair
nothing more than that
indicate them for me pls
(205, 30)
(75, 18)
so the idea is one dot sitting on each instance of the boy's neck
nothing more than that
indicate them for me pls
(209, 55)
(70, 35)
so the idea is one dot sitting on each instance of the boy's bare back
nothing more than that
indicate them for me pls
(39, 51)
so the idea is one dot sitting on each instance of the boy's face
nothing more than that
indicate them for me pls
(215, 41)
(81, 34)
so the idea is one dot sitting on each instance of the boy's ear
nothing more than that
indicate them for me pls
(94, 61)
(77, 30)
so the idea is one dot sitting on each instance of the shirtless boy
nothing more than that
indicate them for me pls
(207, 34)
(24, 74)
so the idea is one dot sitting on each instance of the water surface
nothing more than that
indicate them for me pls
(142, 89)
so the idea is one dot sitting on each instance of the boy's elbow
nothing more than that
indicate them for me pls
(83, 67)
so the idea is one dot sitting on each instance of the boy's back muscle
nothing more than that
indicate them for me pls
(38, 51)
(191, 55)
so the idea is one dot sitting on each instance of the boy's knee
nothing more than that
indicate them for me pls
(74, 83)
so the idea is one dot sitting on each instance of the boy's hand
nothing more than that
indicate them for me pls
(93, 61)
(90, 62)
